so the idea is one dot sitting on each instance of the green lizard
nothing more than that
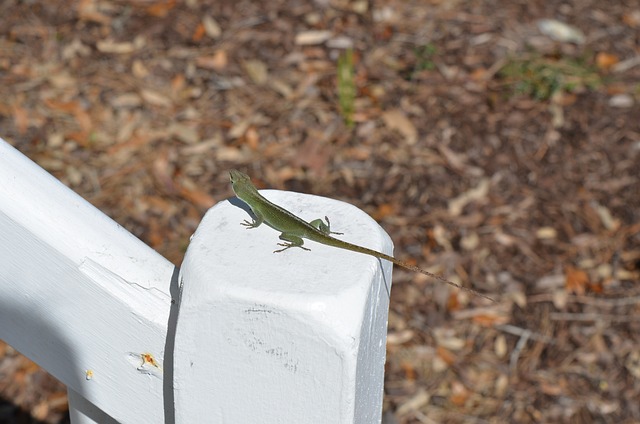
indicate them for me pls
(294, 229)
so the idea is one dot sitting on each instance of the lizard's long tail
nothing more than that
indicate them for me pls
(402, 264)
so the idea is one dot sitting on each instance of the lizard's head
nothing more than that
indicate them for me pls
(237, 176)
(240, 182)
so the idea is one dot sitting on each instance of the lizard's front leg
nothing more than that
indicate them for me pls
(324, 228)
(293, 241)
(259, 219)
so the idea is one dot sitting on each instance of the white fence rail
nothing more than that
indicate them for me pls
(254, 337)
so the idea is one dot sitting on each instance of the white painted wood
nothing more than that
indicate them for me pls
(293, 337)
(80, 295)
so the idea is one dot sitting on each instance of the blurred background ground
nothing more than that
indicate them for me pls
(496, 148)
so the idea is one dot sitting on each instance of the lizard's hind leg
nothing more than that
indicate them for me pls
(325, 228)
(293, 241)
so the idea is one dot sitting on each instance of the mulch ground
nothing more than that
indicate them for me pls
(496, 148)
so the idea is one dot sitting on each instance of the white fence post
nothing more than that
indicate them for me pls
(291, 337)
(81, 296)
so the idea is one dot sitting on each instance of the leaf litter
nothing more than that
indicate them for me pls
(521, 184)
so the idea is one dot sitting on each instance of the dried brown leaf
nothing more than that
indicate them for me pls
(198, 33)
(414, 403)
(113, 47)
(459, 394)
(308, 38)
(479, 192)
(446, 355)
(155, 98)
(20, 119)
(211, 27)
(576, 280)
(257, 70)
(160, 9)
(605, 61)
(397, 120)
(216, 62)
(197, 196)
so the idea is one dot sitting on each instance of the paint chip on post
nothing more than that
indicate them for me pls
(145, 363)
